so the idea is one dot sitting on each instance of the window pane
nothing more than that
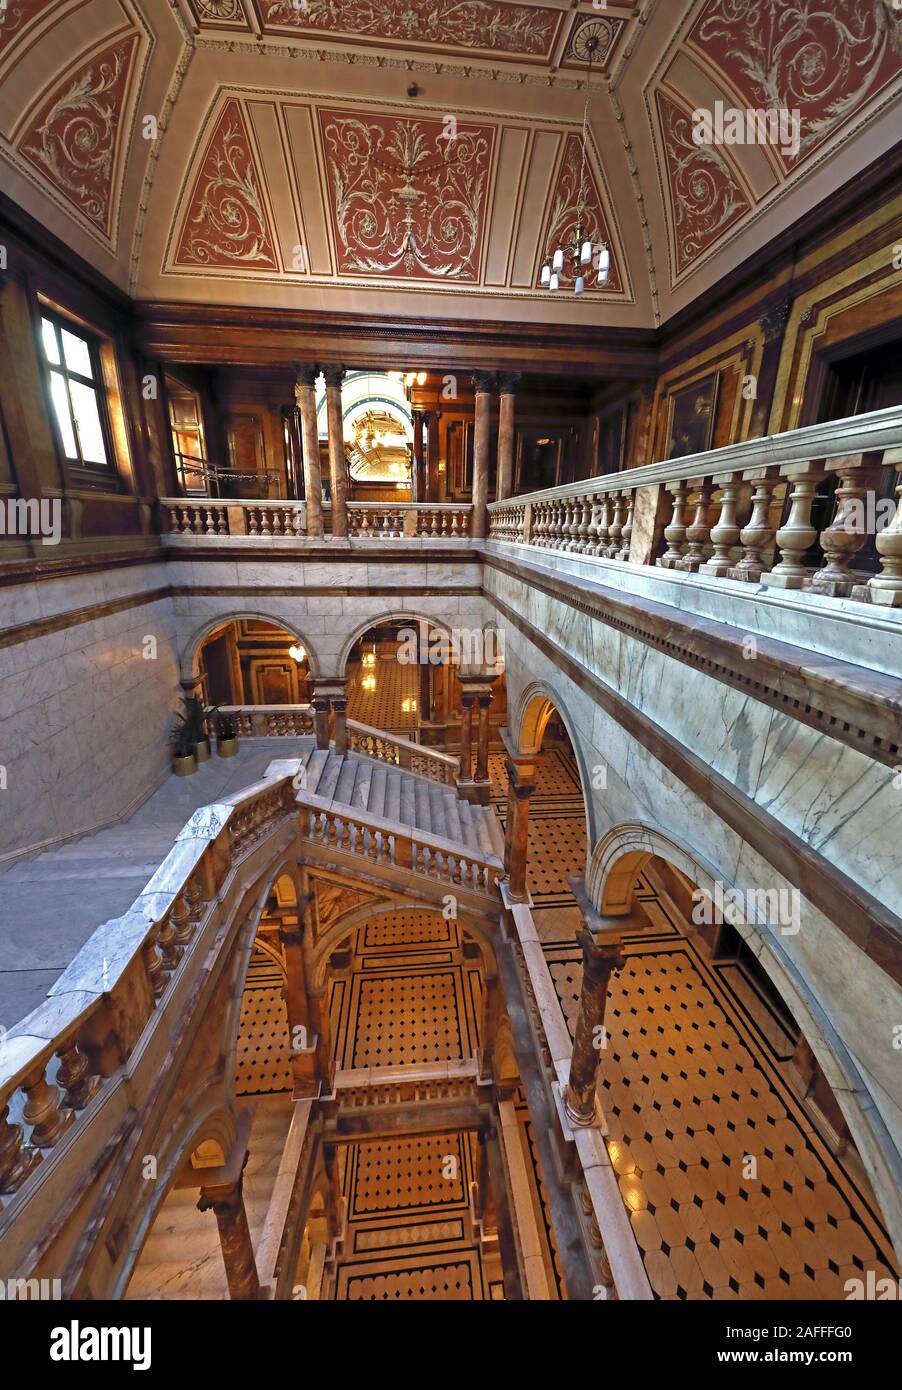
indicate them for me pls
(61, 405)
(78, 356)
(48, 333)
(84, 407)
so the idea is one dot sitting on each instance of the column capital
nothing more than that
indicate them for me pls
(508, 381)
(774, 322)
(600, 958)
(305, 373)
(334, 374)
(484, 381)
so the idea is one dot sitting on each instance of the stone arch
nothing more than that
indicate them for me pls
(317, 959)
(531, 716)
(189, 661)
(614, 864)
(392, 616)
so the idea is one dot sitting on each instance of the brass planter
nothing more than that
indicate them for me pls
(202, 751)
(227, 747)
(183, 767)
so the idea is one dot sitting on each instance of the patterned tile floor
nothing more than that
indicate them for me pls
(382, 706)
(731, 1186)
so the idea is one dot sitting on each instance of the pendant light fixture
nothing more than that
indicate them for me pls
(582, 253)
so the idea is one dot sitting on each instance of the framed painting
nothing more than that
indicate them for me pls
(690, 427)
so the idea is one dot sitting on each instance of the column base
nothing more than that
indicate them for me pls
(668, 562)
(716, 569)
(479, 793)
(887, 598)
(750, 575)
(833, 588)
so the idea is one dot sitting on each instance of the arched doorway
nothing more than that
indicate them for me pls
(252, 661)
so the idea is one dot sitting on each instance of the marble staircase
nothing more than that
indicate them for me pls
(51, 904)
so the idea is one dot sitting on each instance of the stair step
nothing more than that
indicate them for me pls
(365, 771)
(344, 787)
(330, 776)
(318, 760)
(393, 796)
(483, 836)
(423, 807)
(467, 827)
(375, 802)
(408, 807)
(437, 812)
(453, 829)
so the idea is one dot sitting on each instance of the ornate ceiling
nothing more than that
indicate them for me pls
(420, 157)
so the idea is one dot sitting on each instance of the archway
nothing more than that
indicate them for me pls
(733, 1108)
(251, 661)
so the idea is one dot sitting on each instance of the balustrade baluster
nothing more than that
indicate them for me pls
(626, 534)
(74, 1076)
(757, 535)
(796, 537)
(43, 1109)
(675, 533)
(885, 588)
(698, 532)
(847, 532)
(725, 532)
(17, 1160)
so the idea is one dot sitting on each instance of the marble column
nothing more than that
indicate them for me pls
(418, 488)
(467, 700)
(319, 1021)
(484, 702)
(226, 1198)
(339, 705)
(303, 1056)
(520, 787)
(432, 418)
(313, 485)
(338, 470)
(483, 383)
(600, 960)
(491, 1013)
(321, 702)
(506, 434)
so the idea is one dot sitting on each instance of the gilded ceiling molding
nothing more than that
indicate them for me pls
(635, 175)
(175, 86)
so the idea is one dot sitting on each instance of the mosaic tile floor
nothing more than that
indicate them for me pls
(382, 706)
(732, 1188)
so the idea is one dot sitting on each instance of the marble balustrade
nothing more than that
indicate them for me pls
(620, 516)
(205, 516)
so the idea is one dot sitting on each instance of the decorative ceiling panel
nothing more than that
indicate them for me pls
(226, 223)
(704, 193)
(407, 198)
(606, 29)
(576, 188)
(73, 137)
(225, 12)
(824, 61)
(495, 27)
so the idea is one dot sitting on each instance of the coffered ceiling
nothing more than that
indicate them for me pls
(420, 157)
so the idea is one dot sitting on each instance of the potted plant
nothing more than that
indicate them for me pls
(226, 736)
(183, 760)
(198, 716)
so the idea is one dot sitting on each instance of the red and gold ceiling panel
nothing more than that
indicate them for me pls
(500, 28)
(576, 204)
(825, 61)
(407, 197)
(73, 137)
(704, 193)
(606, 30)
(226, 224)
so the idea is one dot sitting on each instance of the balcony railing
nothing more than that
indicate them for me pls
(204, 516)
(617, 517)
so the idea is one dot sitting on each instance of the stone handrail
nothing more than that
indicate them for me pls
(608, 1235)
(389, 845)
(403, 752)
(270, 721)
(97, 1012)
(617, 517)
(285, 721)
(247, 516)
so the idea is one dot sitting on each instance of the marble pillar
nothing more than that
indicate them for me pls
(600, 960)
(313, 486)
(506, 434)
(520, 787)
(418, 480)
(303, 1056)
(467, 700)
(484, 384)
(432, 418)
(338, 470)
(226, 1198)
(491, 1013)
(484, 703)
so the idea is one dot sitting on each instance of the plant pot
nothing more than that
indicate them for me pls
(202, 751)
(227, 747)
(183, 767)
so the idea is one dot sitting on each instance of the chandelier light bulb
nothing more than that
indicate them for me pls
(585, 254)
(297, 654)
(604, 265)
(421, 377)
(580, 285)
(554, 282)
(558, 261)
(546, 273)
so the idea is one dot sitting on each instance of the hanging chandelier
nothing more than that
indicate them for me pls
(575, 258)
